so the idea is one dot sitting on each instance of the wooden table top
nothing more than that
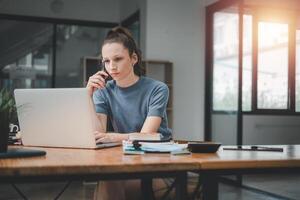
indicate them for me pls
(85, 161)
(66, 161)
(230, 159)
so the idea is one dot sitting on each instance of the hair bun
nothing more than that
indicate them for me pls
(119, 30)
(123, 36)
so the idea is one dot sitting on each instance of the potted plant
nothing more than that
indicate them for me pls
(7, 109)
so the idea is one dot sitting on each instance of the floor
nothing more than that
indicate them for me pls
(283, 186)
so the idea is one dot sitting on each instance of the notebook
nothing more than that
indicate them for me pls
(60, 117)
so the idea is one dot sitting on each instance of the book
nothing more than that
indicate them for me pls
(145, 136)
(163, 147)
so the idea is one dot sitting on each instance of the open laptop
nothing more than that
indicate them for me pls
(62, 117)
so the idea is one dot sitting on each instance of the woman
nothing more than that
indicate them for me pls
(132, 103)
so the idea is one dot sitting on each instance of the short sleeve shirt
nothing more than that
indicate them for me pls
(127, 108)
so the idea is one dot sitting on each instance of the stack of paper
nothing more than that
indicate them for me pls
(145, 136)
(155, 146)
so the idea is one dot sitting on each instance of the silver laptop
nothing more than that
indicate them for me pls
(62, 117)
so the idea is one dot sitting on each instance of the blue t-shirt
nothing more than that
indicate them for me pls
(127, 108)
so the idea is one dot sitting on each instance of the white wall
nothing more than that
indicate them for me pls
(175, 32)
(94, 10)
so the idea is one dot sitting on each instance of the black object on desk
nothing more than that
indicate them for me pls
(21, 152)
(254, 148)
(203, 147)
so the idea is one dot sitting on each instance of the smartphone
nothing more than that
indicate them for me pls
(108, 77)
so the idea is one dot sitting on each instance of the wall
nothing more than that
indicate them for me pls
(257, 129)
(224, 128)
(260, 129)
(175, 32)
(94, 10)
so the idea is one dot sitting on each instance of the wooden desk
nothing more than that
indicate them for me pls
(104, 164)
(228, 162)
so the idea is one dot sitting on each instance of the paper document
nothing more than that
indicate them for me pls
(155, 147)
(145, 136)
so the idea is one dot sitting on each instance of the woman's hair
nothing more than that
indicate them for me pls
(123, 36)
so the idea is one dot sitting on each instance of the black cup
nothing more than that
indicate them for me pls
(4, 132)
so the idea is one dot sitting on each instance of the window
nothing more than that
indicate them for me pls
(247, 63)
(225, 61)
(225, 77)
(298, 69)
(272, 66)
(47, 54)
(26, 49)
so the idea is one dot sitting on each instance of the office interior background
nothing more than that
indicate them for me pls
(235, 64)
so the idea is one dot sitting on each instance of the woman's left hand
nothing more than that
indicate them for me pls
(109, 137)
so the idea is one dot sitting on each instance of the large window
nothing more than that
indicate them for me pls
(269, 62)
(26, 54)
(47, 54)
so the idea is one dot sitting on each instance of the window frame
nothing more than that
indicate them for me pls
(267, 15)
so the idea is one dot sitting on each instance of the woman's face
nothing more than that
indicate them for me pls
(117, 61)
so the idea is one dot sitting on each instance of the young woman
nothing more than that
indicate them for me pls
(133, 103)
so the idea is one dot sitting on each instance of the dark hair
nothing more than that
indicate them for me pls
(123, 36)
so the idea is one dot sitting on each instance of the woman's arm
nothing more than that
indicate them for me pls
(150, 125)
(101, 135)
(102, 119)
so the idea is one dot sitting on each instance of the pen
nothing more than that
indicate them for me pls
(267, 148)
(254, 148)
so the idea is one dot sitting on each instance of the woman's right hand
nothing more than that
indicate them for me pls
(97, 81)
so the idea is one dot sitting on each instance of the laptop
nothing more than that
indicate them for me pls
(63, 117)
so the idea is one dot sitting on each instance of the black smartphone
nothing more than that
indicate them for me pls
(108, 77)
(102, 67)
